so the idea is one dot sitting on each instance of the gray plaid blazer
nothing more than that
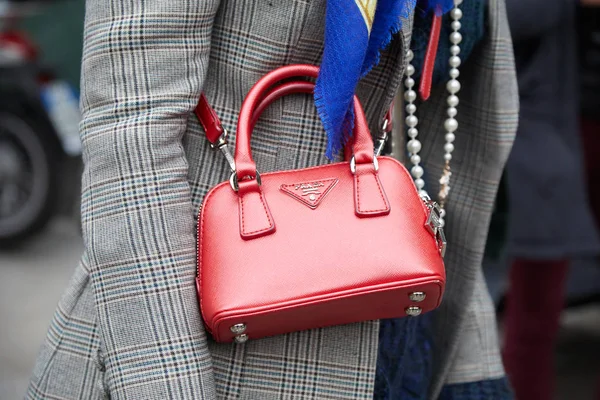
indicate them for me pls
(128, 326)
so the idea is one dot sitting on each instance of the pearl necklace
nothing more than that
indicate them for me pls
(450, 125)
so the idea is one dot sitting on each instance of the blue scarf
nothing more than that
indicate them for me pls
(356, 31)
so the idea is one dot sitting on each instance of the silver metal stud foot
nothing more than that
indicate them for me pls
(417, 297)
(238, 329)
(243, 338)
(413, 311)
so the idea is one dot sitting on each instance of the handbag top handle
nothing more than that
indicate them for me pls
(245, 165)
(277, 92)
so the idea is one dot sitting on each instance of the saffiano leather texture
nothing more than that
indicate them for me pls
(314, 247)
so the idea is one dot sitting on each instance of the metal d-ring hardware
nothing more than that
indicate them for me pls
(222, 144)
(233, 180)
(353, 164)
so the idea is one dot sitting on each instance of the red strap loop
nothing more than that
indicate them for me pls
(430, 56)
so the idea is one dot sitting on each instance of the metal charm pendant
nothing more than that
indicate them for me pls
(435, 223)
(434, 217)
(441, 240)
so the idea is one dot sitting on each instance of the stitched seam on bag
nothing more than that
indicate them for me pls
(266, 213)
(380, 193)
(383, 199)
(390, 159)
(336, 295)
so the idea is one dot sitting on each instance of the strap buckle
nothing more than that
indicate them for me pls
(381, 140)
(222, 144)
(386, 128)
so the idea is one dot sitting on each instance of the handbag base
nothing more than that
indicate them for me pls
(409, 299)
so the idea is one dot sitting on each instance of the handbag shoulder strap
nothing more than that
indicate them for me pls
(217, 134)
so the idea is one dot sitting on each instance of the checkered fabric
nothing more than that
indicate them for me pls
(487, 117)
(128, 326)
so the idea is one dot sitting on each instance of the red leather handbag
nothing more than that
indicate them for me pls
(293, 250)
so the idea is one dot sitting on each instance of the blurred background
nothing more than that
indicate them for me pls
(40, 240)
(40, 164)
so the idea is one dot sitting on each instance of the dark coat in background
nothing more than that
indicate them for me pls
(549, 215)
(588, 27)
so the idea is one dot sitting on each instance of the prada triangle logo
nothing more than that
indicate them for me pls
(312, 193)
